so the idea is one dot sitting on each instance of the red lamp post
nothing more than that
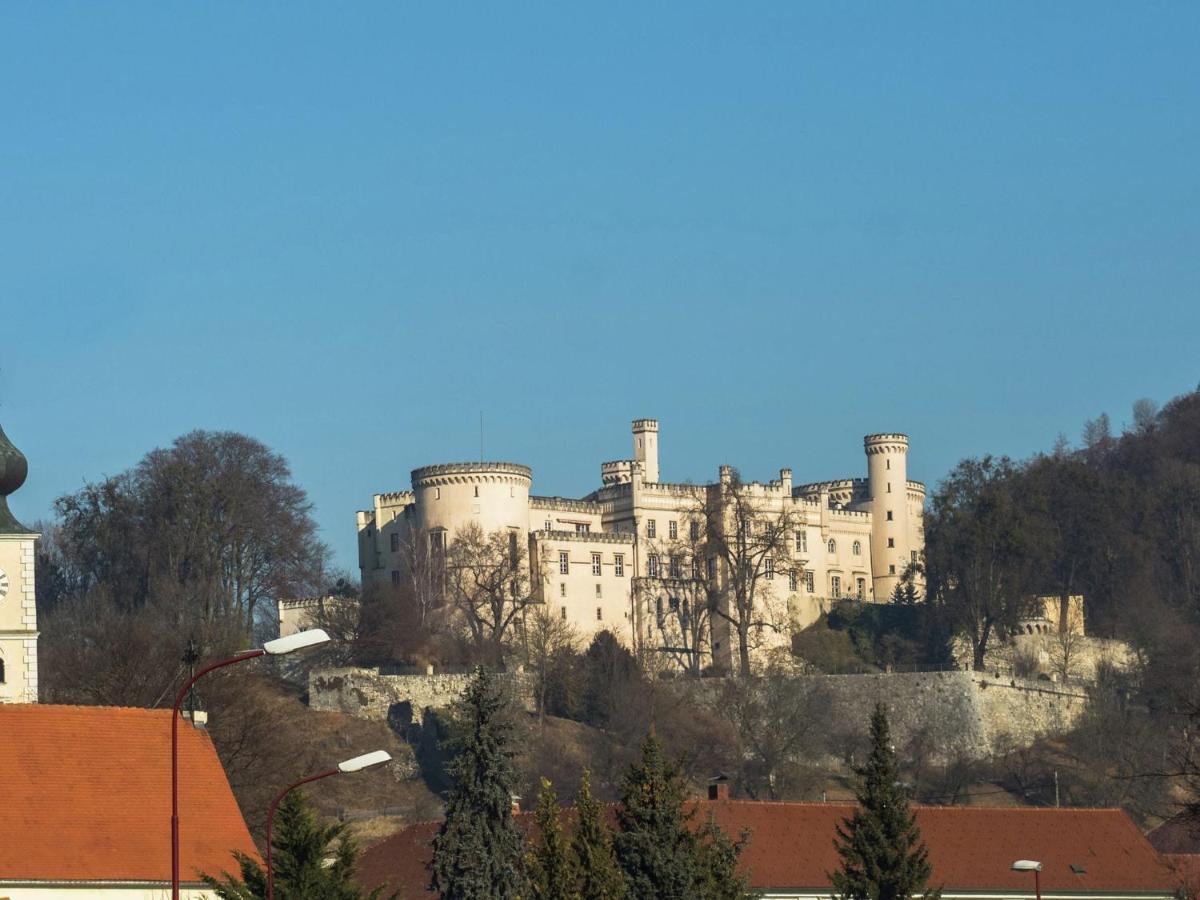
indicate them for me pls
(1031, 865)
(357, 764)
(292, 642)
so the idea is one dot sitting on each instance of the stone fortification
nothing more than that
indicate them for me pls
(401, 700)
(969, 715)
(960, 714)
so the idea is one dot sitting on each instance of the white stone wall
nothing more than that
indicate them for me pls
(18, 620)
(367, 694)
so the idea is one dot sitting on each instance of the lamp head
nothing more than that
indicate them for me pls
(366, 761)
(1027, 865)
(297, 641)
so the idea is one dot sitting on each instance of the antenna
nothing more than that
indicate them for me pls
(481, 435)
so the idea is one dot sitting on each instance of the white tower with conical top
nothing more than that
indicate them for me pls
(18, 606)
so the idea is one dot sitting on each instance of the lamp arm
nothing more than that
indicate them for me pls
(271, 822)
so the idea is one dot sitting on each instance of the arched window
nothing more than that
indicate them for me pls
(1, 671)
(832, 546)
(857, 548)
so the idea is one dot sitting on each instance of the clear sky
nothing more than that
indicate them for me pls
(346, 229)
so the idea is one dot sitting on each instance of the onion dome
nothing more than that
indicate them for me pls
(13, 469)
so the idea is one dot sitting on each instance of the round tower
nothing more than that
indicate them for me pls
(493, 495)
(887, 483)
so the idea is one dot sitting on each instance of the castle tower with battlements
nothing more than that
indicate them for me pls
(636, 555)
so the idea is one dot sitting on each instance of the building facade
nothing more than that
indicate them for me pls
(649, 560)
(18, 607)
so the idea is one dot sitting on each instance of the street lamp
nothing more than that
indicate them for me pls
(357, 764)
(289, 644)
(1031, 865)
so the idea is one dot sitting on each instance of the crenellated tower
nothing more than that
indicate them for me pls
(18, 607)
(887, 487)
(645, 448)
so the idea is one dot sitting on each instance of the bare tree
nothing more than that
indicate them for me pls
(551, 647)
(488, 579)
(680, 584)
(750, 545)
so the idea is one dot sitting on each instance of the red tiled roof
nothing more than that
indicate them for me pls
(971, 848)
(86, 796)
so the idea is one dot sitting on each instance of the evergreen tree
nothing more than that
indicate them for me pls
(600, 878)
(302, 847)
(718, 864)
(477, 852)
(551, 864)
(883, 856)
(656, 848)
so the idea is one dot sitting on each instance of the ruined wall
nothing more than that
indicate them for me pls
(399, 699)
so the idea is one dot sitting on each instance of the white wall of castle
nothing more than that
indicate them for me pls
(844, 543)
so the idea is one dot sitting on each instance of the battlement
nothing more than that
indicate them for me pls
(645, 425)
(389, 497)
(885, 442)
(566, 504)
(471, 472)
(585, 537)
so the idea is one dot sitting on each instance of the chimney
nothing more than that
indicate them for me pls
(718, 787)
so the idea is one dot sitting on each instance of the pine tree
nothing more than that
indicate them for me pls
(551, 864)
(600, 878)
(656, 848)
(883, 856)
(477, 852)
(301, 848)
(718, 864)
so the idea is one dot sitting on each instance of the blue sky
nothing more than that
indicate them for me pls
(346, 229)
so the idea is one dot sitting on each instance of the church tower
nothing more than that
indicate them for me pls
(18, 610)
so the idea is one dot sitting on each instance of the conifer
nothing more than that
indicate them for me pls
(302, 848)
(883, 856)
(550, 865)
(600, 878)
(718, 863)
(656, 848)
(478, 851)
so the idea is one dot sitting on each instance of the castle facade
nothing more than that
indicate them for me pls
(628, 556)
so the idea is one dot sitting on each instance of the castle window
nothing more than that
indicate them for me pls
(395, 576)
(437, 493)
(582, 528)
(673, 603)
(562, 589)
(596, 565)
(598, 594)
(889, 463)
(564, 564)
(658, 611)
(1, 671)
(476, 490)
(809, 586)
(395, 542)
(673, 530)
(564, 612)
(801, 541)
(891, 542)
(599, 614)
(862, 588)
(889, 515)
(792, 580)
(857, 548)
(835, 586)
(832, 545)
(652, 565)
(769, 572)
(694, 530)
(912, 555)
(549, 525)
(696, 576)
(676, 567)
(651, 528)
(889, 487)
(619, 565)
(891, 570)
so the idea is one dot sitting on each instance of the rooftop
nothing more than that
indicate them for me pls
(87, 797)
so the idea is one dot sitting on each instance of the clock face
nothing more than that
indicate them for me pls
(3, 585)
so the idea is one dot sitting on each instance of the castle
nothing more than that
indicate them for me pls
(622, 558)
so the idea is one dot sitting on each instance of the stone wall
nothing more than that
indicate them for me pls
(399, 699)
(957, 714)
